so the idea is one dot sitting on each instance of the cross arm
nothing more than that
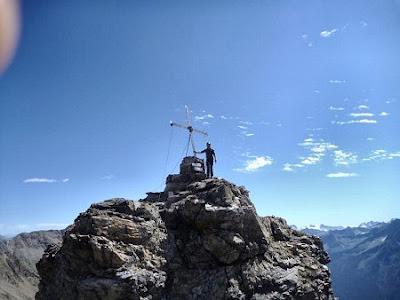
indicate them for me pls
(200, 131)
(178, 125)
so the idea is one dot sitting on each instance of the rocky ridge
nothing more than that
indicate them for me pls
(19, 278)
(199, 239)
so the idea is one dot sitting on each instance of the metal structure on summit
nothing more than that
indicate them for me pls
(190, 129)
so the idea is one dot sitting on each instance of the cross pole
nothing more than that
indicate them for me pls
(190, 128)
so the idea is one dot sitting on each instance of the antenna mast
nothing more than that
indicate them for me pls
(189, 127)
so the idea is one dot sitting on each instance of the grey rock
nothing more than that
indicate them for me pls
(203, 241)
(19, 278)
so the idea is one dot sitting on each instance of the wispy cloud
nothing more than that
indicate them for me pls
(307, 40)
(361, 121)
(246, 122)
(108, 177)
(256, 163)
(337, 81)
(384, 114)
(317, 151)
(363, 106)
(322, 147)
(343, 158)
(328, 33)
(242, 127)
(291, 167)
(203, 117)
(333, 108)
(361, 115)
(45, 180)
(341, 175)
(381, 154)
(312, 159)
(39, 180)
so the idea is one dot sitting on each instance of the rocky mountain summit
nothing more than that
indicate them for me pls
(199, 239)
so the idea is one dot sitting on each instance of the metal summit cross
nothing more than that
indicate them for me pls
(190, 128)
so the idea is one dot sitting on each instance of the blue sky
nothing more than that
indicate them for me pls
(301, 100)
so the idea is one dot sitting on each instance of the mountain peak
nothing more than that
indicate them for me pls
(199, 238)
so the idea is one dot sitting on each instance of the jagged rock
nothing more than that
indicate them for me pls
(203, 241)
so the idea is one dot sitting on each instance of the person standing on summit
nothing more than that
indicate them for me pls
(210, 158)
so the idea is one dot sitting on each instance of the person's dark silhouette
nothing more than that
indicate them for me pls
(210, 158)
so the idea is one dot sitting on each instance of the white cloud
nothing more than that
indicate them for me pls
(361, 115)
(318, 150)
(394, 155)
(248, 134)
(307, 40)
(362, 121)
(341, 175)
(370, 139)
(384, 114)
(206, 116)
(328, 33)
(367, 121)
(337, 81)
(312, 160)
(223, 117)
(333, 108)
(45, 180)
(381, 154)
(323, 147)
(314, 129)
(256, 163)
(40, 180)
(291, 167)
(344, 158)
(242, 127)
(246, 122)
(363, 106)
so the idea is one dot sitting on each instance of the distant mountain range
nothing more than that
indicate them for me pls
(365, 259)
(19, 278)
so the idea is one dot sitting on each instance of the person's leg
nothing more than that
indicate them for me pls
(211, 170)
(208, 169)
